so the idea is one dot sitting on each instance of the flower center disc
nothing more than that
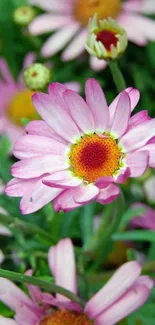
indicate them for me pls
(21, 107)
(65, 317)
(85, 9)
(94, 156)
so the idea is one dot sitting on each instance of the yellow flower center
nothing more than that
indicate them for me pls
(65, 317)
(94, 156)
(85, 9)
(21, 107)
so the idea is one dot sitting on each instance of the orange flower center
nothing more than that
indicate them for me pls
(65, 317)
(21, 107)
(85, 9)
(94, 156)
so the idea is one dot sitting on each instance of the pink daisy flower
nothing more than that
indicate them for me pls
(69, 20)
(145, 219)
(16, 102)
(124, 293)
(82, 150)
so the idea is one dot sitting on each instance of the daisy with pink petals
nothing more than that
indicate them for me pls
(145, 219)
(124, 293)
(69, 20)
(16, 100)
(82, 150)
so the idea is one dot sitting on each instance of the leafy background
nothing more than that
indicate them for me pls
(28, 249)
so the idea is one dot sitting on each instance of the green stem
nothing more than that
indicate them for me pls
(105, 242)
(117, 75)
(13, 222)
(47, 286)
(87, 224)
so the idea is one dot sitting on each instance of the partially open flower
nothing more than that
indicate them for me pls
(106, 39)
(24, 15)
(37, 76)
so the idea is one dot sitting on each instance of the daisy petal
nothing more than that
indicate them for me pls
(76, 47)
(86, 194)
(56, 117)
(109, 194)
(43, 129)
(62, 179)
(150, 147)
(48, 23)
(7, 321)
(138, 118)
(137, 162)
(56, 42)
(63, 254)
(97, 103)
(65, 201)
(32, 145)
(18, 187)
(138, 136)
(121, 116)
(122, 279)
(37, 166)
(96, 64)
(79, 111)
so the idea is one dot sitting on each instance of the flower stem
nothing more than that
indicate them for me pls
(13, 222)
(47, 286)
(117, 75)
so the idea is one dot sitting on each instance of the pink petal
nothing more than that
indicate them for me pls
(137, 162)
(121, 116)
(79, 111)
(65, 201)
(43, 129)
(56, 42)
(134, 31)
(56, 117)
(62, 179)
(150, 147)
(12, 296)
(7, 321)
(138, 136)
(48, 23)
(18, 187)
(109, 194)
(52, 5)
(86, 194)
(145, 219)
(76, 47)
(63, 254)
(104, 182)
(120, 282)
(5, 72)
(134, 98)
(38, 165)
(138, 118)
(96, 64)
(123, 176)
(4, 230)
(97, 103)
(73, 85)
(56, 91)
(130, 302)
(37, 196)
(146, 281)
(32, 145)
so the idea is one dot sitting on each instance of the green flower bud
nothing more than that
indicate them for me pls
(24, 15)
(106, 39)
(37, 76)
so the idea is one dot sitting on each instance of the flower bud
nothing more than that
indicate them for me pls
(36, 76)
(24, 15)
(106, 39)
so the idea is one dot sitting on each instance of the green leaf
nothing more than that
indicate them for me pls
(135, 235)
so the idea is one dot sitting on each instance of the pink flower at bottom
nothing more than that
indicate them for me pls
(124, 293)
(82, 150)
(16, 102)
(69, 19)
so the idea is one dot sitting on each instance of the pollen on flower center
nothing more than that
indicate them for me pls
(65, 317)
(107, 38)
(94, 156)
(85, 9)
(21, 107)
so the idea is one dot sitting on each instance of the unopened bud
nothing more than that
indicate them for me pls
(24, 15)
(37, 76)
(106, 39)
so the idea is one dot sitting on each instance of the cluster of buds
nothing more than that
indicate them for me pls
(106, 39)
